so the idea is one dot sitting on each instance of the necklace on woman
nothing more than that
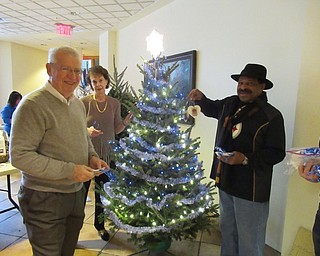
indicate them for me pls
(97, 106)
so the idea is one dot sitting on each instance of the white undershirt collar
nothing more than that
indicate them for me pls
(48, 86)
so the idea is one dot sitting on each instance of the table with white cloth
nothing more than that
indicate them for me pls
(7, 169)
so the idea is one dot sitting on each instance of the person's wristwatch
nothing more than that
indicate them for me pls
(245, 161)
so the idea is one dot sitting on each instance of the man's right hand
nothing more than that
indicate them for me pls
(195, 94)
(82, 173)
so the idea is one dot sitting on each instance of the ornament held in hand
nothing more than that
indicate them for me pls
(194, 110)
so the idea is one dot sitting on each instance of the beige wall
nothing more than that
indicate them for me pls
(227, 35)
(302, 199)
(21, 69)
(5, 73)
(28, 68)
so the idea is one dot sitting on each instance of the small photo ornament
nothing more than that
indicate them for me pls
(299, 156)
(191, 110)
(194, 110)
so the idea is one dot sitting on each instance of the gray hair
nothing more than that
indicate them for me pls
(64, 49)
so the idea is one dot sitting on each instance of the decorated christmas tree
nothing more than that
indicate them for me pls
(156, 192)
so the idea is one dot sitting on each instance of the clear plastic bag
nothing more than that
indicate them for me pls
(298, 156)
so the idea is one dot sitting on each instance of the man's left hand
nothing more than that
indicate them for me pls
(235, 158)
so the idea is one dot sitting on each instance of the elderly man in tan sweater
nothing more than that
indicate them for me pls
(50, 145)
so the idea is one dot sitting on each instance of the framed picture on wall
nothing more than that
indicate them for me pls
(184, 75)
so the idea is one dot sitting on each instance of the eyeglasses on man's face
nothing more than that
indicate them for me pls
(68, 70)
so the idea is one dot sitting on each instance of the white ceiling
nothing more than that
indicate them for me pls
(32, 22)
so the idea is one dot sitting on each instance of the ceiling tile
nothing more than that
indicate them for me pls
(15, 7)
(103, 15)
(29, 13)
(95, 8)
(85, 2)
(127, 1)
(105, 2)
(3, 9)
(114, 8)
(131, 6)
(121, 15)
(30, 5)
(66, 3)
(49, 4)
(46, 12)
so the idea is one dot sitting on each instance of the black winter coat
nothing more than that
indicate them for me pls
(258, 132)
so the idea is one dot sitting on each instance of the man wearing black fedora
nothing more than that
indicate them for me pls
(250, 140)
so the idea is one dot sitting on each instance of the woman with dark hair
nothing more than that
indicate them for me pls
(9, 108)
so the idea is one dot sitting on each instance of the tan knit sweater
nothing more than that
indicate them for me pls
(48, 138)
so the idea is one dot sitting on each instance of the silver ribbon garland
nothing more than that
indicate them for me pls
(146, 145)
(187, 201)
(145, 155)
(160, 180)
(139, 230)
(156, 127)
(160, 111)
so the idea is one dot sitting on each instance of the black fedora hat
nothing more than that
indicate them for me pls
(254, 71)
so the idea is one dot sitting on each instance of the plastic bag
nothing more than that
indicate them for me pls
(298, 156)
